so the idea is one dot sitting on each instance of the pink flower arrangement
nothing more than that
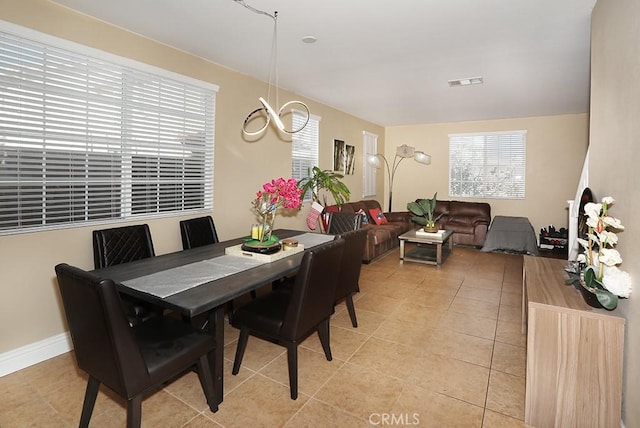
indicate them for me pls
(278, 193)
(275, 194)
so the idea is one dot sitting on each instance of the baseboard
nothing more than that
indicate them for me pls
(34, 353)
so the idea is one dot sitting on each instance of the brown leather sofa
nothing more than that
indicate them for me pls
(468, 220)
(380, 238)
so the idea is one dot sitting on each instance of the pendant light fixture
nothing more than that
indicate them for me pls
(266, 111)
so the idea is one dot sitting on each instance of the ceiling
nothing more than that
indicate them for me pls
(387, 62)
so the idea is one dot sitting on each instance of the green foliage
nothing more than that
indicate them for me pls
(589, 280)
(325, 180)
(607, 299)
(423, 210)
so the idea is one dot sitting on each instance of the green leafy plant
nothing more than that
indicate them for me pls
(325, 180)
(423, 210)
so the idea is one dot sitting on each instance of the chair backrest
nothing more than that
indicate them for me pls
(103, 342)
(197, 232)
(313, 293)
(121, 245)
(341, 222)
(351, 264)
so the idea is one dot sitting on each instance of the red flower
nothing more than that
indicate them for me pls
(278, 193)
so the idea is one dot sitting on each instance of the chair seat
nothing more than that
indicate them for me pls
(265, 313)
(167, 343)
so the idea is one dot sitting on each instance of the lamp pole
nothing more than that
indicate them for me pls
(402, 152)
(391, 173)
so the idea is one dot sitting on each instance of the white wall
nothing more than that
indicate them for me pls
(615, 158)
(556, 146)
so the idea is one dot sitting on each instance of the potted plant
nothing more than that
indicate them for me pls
(423, 210)
(325, 180)
(322, 180)
(598, 277)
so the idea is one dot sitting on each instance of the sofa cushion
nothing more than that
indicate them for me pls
(460, 225)
(377, 216)
(441, 207)
(469, 209)
(377, 235)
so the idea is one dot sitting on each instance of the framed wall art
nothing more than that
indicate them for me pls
(349, 159)
(338, 156)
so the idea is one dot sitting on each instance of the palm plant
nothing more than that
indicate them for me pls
(325, 180)
(423, 210)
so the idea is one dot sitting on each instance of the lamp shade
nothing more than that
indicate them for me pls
(422, 157)
(374, 161)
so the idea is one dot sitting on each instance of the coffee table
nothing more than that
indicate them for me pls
(429, 247)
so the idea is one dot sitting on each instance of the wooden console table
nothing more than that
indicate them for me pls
(574, 352)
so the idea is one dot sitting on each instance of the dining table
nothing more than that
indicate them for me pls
(203, 280)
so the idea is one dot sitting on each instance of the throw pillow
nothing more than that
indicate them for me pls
(377, 216)
(365, 217)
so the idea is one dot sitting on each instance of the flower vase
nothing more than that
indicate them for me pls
(267, 228)
(430, 229)
(589, 298)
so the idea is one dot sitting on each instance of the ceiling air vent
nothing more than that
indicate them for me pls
(465, 82)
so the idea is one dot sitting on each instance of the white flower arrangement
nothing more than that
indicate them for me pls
(602, 276)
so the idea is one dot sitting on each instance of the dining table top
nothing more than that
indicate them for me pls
(210, 294)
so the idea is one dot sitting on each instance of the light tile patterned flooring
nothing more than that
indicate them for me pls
(435, 347)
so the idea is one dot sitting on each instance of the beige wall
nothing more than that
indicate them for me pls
(556, 146)
(29, 308)
(615, 156)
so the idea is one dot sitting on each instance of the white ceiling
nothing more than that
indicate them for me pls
(387, 61)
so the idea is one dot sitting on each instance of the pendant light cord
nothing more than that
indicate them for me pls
(266, 108)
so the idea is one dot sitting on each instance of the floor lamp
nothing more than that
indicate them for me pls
(402, 152)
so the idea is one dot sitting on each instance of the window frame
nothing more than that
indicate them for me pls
(494, 161)
(162, 149)
(305, 147)
(369, 172)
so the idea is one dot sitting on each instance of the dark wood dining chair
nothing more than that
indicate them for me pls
(133, 361)
(350, 267)
(197, 232)
(340, 222)
(125, 244)
(287, 318)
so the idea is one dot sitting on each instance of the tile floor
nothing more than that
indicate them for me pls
(435, 347)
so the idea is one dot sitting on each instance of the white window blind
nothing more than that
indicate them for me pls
(304, 147)
(488, 165)
(83, 139)
(369, 175)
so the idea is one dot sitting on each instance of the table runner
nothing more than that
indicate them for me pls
(172, 281)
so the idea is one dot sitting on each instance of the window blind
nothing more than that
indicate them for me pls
(304, 146)
(369, 174)
(488, 165)
(84, 139)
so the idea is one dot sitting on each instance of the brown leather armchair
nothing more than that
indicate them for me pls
(468, 220)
